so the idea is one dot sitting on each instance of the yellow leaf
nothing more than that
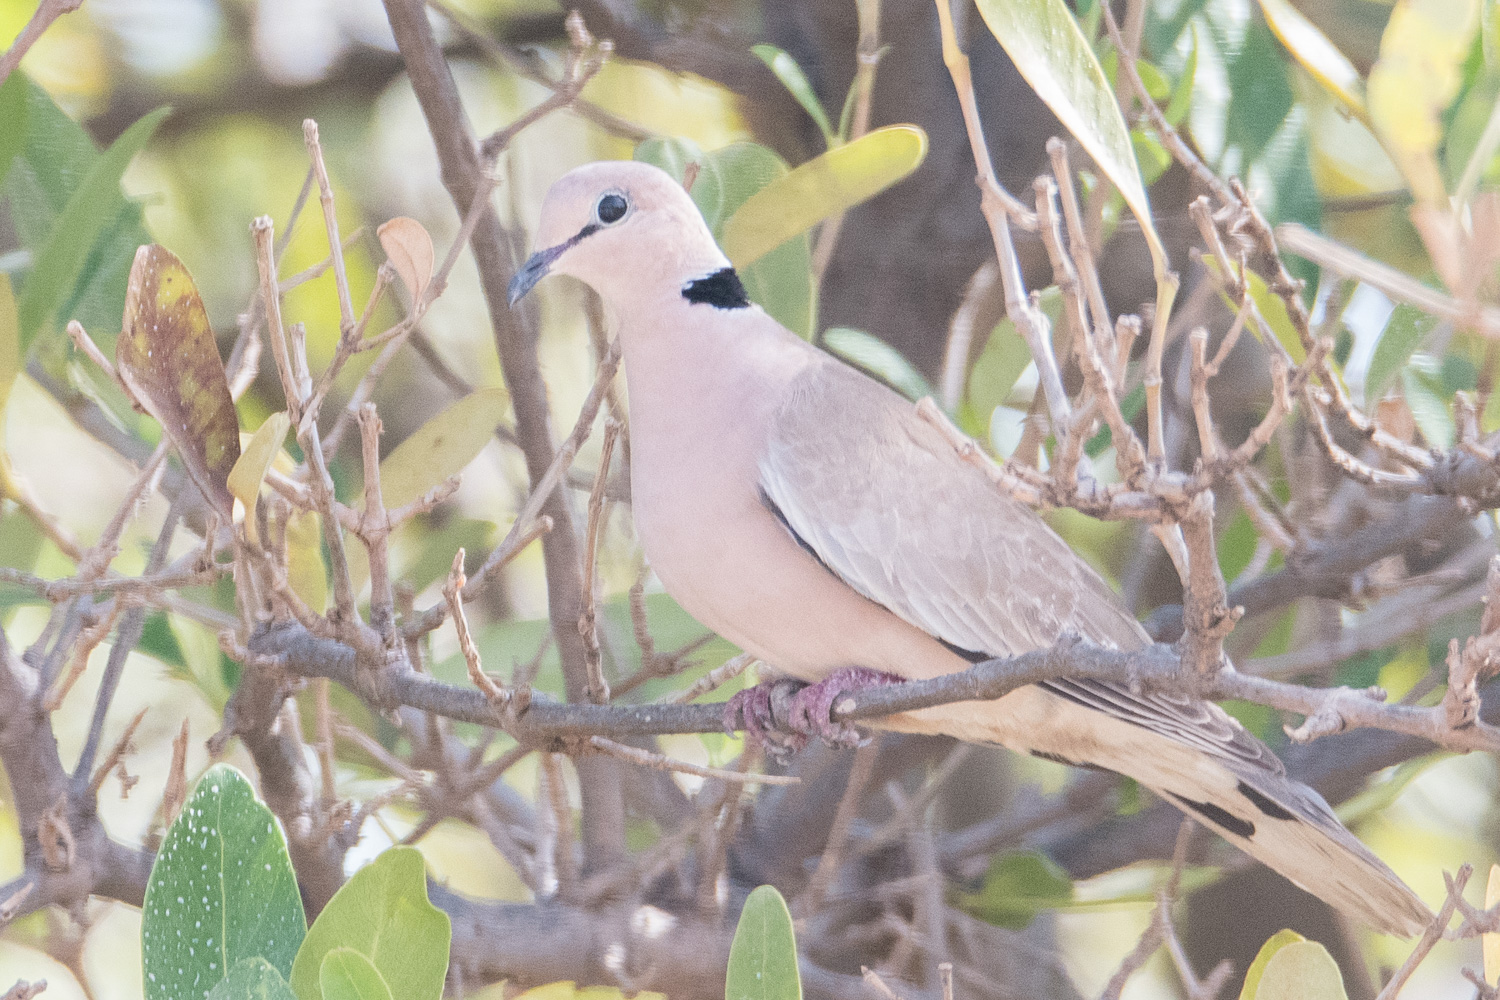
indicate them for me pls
(1301, 970)
(1257, 968)
(441, 447)
(569, 991)
(1317, 54)
(304, 560)
(1346, 158)
(409, 248)
(255, 460)
(168, 356)
(1416, 78)
(820, 189)
(1492, 941)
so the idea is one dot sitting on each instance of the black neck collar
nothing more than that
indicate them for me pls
(722, 290)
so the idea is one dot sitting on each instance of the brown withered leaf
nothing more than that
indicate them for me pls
(168, 357)
(1393, 416)
(409, 248)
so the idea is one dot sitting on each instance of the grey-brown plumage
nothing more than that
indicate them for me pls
(806, 513)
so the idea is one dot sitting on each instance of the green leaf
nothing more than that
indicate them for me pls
(1301, 970)
(382, 913)
(221, 890)
(252, 979)
(878, 358)
(1044, 42)
(1182, 97)
(11, 360)
(763, 957)
(998, 368)
(1421, 384)
(1403, 334)
(1257, 969)
(781, 282)
(13, 114)
(442, 447)
(55, 157)
(820, 189)
(347, 975)
(1319, 56)
(1271, 307)
(158, 640)
(89, 213)
(795, 81)
(1018, 886)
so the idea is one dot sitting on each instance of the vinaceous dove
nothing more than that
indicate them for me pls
(808, 514)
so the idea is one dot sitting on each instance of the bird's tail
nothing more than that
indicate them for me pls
(1286, 825)
(1195, 756)
(1239, 789)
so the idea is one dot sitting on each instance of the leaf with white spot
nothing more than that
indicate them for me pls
(221, 891)
(252, 979)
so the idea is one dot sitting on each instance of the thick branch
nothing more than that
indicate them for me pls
(515, 341)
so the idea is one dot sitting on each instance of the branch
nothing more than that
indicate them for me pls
(46, 12)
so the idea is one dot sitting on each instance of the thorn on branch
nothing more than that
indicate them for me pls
(175, 792)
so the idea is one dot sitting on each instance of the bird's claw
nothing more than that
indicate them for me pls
(782, 716)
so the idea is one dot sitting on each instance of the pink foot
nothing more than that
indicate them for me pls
(760, 710)
(784, 725)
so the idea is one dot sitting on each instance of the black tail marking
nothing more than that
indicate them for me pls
(1219, 817)
(1264, 804)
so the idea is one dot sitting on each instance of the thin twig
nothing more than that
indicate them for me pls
(660, 762)
(41, 19)
(860, 771)
(1433, 934)
(598, 687)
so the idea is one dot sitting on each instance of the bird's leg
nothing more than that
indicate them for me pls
(811, 710)
(761, 709)
(783, 718)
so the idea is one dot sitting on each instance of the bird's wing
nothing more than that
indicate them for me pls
(890, 508)
(887, 505)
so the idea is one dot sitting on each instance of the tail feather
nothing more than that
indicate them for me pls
(1288, 827)
(1201, 760)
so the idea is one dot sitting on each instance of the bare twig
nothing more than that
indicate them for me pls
(1432, 935)
(587, 626)
(660, 762)
(493, 690)
(860, 771)
(41, 19)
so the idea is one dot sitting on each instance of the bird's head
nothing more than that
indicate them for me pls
(623, 228)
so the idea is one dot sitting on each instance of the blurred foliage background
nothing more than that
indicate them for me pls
(241, 75)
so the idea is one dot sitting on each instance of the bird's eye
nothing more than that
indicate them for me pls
(611, 208)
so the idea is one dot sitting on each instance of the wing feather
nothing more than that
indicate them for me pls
(889, 507)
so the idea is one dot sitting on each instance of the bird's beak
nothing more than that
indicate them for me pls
(534, 270)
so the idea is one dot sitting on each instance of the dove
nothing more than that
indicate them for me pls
(808, 514)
